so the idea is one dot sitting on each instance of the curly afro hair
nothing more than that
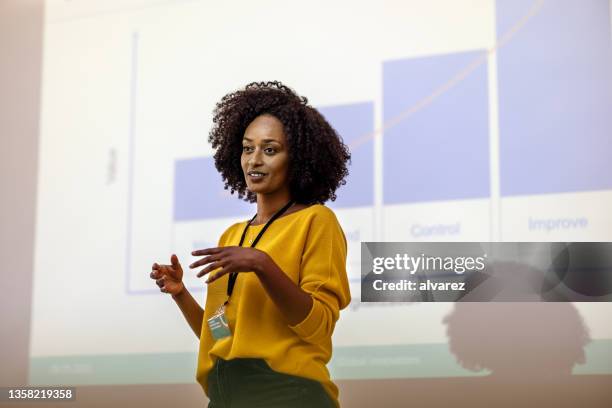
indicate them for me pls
(317, 155)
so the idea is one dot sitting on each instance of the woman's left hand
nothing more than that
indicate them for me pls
(229, 259)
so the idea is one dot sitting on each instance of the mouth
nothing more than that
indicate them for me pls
(256, 175)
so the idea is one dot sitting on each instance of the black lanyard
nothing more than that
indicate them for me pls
(234, 275)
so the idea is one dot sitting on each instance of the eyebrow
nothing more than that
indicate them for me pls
(265, 140)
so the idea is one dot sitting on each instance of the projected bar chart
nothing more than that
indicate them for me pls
(199, 193)
(555, 96)
(441, 150)
(354, 122)
(467, 121)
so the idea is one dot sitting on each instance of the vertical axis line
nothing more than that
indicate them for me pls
(494, 153)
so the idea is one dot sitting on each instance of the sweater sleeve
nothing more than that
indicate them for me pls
(323, 277)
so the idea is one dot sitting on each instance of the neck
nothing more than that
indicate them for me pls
(268, 205)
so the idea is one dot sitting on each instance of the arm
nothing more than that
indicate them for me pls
(313, 307)
(192, 311)
(323, 277)
(169, 278)
(291, 300)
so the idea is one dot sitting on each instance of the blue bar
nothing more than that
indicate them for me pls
(555, 97)
(355, 124)
(440, 152)
(199, 193)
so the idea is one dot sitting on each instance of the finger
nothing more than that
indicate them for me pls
(159, 272)
(210, 268)
(174, 261)
(168, 270)
(155, 266)
(163, 289)
(207, 251)
(217, 275)
(160, 282)
(205, 260)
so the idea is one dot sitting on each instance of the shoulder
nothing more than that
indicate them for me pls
(231, 231)
(324, 234)
(323, 213)
(320, 216)
(235, 227)
(323, 219)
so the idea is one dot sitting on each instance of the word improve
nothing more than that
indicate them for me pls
(414, 264)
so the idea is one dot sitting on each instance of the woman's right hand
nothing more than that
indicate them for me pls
(169, 278)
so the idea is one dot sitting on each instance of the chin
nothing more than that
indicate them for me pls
(257, 189)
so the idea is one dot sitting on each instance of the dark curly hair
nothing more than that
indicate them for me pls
(317, 155)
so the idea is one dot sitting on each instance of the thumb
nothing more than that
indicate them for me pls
(175, 262)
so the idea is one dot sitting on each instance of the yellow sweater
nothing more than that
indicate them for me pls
(310, 247)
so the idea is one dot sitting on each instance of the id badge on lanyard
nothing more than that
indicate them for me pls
(219, 327)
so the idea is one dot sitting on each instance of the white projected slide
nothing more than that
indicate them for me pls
(458, 129)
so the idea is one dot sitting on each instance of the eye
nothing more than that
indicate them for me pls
(247, 149)
(270, 150)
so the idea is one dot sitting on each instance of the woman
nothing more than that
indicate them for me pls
(276, 283)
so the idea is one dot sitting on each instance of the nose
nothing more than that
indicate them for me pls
(256, 158)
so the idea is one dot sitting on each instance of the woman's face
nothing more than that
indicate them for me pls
(265, 156)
